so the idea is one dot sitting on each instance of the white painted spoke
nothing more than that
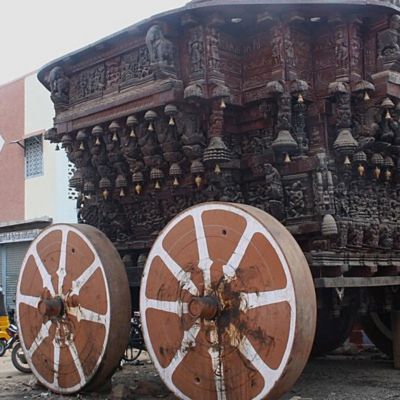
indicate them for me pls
(41, 336)
(248, 351)
(176, 307)
(86, 275)
(46, 277)
(77, 362)
(56, 363)
(189, 341)
(82, 313)
(183, 277)
(215, 352)
(233, 264)
(61, 271)
(29, 300)
(254, 300)
(204, 257)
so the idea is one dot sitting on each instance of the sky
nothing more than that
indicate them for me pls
(34, 33)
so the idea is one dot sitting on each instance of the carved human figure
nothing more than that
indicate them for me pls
(341, 49)
(290, 59)
(277, 46)
(212, 43)
(160, 49)
(196, 50)
(356, 46)
(343, 228)
(341, 200)
(371, 237)
(273, 183)
(385, 237)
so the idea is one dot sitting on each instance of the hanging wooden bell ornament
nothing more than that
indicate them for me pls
(132, 122)
(171, 110)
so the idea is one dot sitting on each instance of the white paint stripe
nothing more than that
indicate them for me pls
(29, 300)
(270, 375)
(46, 277)
(202, 247)
(188, 341)
(56, 363)
(77, 362)
(215, 352)
(61, 271)
(176, 307)
(82, 313)
(42, 335)
(233, 264)
(182, 276)
(254, 300)
(86, 275)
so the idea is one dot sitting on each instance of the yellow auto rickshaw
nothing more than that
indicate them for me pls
(4, 324)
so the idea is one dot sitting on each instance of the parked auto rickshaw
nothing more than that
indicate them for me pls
(4, 324)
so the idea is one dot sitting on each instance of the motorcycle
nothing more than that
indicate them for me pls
(17, 354)
(19, 360)
(12, 334)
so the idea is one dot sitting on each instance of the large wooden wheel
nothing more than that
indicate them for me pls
(73, 306)
(228, 304)
(378, 328)
(332, 332)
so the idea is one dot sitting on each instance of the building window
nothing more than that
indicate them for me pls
(33, 156)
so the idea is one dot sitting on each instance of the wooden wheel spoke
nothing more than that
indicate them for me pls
(233, 264)
(78, 283)
(216, 355)
(41, 336)
(204, 259)
(254, 300)
(61, 271)
(56, 361)
(175, 307)
(81, 313)
(77, 362)
(188, 342)
(181, 275)
(32, 301)
(46, 277)
(251, 354)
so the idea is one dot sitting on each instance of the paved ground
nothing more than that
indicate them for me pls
(359, 376)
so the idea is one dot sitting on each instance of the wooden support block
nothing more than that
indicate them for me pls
(396, 338)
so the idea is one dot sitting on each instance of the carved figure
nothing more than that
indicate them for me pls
(297, 200)
(356, 46)
(213, 51)
(59, 84)
(277, 46)
(273, 183)
(371, 237)
(290, 59)
(196, 50)
(385, 237)
(160, 49)
(341, 49)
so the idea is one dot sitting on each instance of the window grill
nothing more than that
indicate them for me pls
(33, 156)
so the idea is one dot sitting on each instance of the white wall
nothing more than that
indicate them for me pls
(46, 194)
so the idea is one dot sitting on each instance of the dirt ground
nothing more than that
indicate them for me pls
(349, 375)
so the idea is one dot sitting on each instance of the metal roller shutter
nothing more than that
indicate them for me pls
(15, 253)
